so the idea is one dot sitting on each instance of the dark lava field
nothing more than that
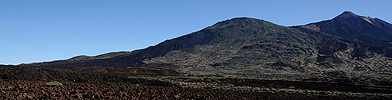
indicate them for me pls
(104, 83)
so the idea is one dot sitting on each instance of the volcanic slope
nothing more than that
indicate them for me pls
(255, 48)
(352, 26)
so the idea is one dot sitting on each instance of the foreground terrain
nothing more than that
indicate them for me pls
(104, 83)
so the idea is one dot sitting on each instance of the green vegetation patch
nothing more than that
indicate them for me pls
(55, 83)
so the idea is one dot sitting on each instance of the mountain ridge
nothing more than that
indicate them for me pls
(256, 48)
(352, 26)
(346, 14)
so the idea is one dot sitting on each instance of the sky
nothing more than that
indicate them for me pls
(48, 30)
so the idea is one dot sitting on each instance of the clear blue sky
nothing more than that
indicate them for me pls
(47, 30)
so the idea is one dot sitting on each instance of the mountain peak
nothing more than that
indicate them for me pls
(347, 14)
(238, 21)
(355, 27)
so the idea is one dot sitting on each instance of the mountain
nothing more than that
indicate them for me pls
(255, 48)
(351, 26)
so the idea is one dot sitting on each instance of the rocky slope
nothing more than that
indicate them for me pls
(256, 48)
(352, 26)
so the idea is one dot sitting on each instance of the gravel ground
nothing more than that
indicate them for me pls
(20, 89)
(24, 83)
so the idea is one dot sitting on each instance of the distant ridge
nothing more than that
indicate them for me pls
(352, 26)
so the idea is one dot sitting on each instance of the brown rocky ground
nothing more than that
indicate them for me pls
(21, 89)
(92, 83)
(125, 71)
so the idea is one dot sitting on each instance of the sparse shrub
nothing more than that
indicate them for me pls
(55, 83)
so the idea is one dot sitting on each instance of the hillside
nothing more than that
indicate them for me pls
(255, 48)
(352, 26)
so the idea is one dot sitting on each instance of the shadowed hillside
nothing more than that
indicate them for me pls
(351, 26)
